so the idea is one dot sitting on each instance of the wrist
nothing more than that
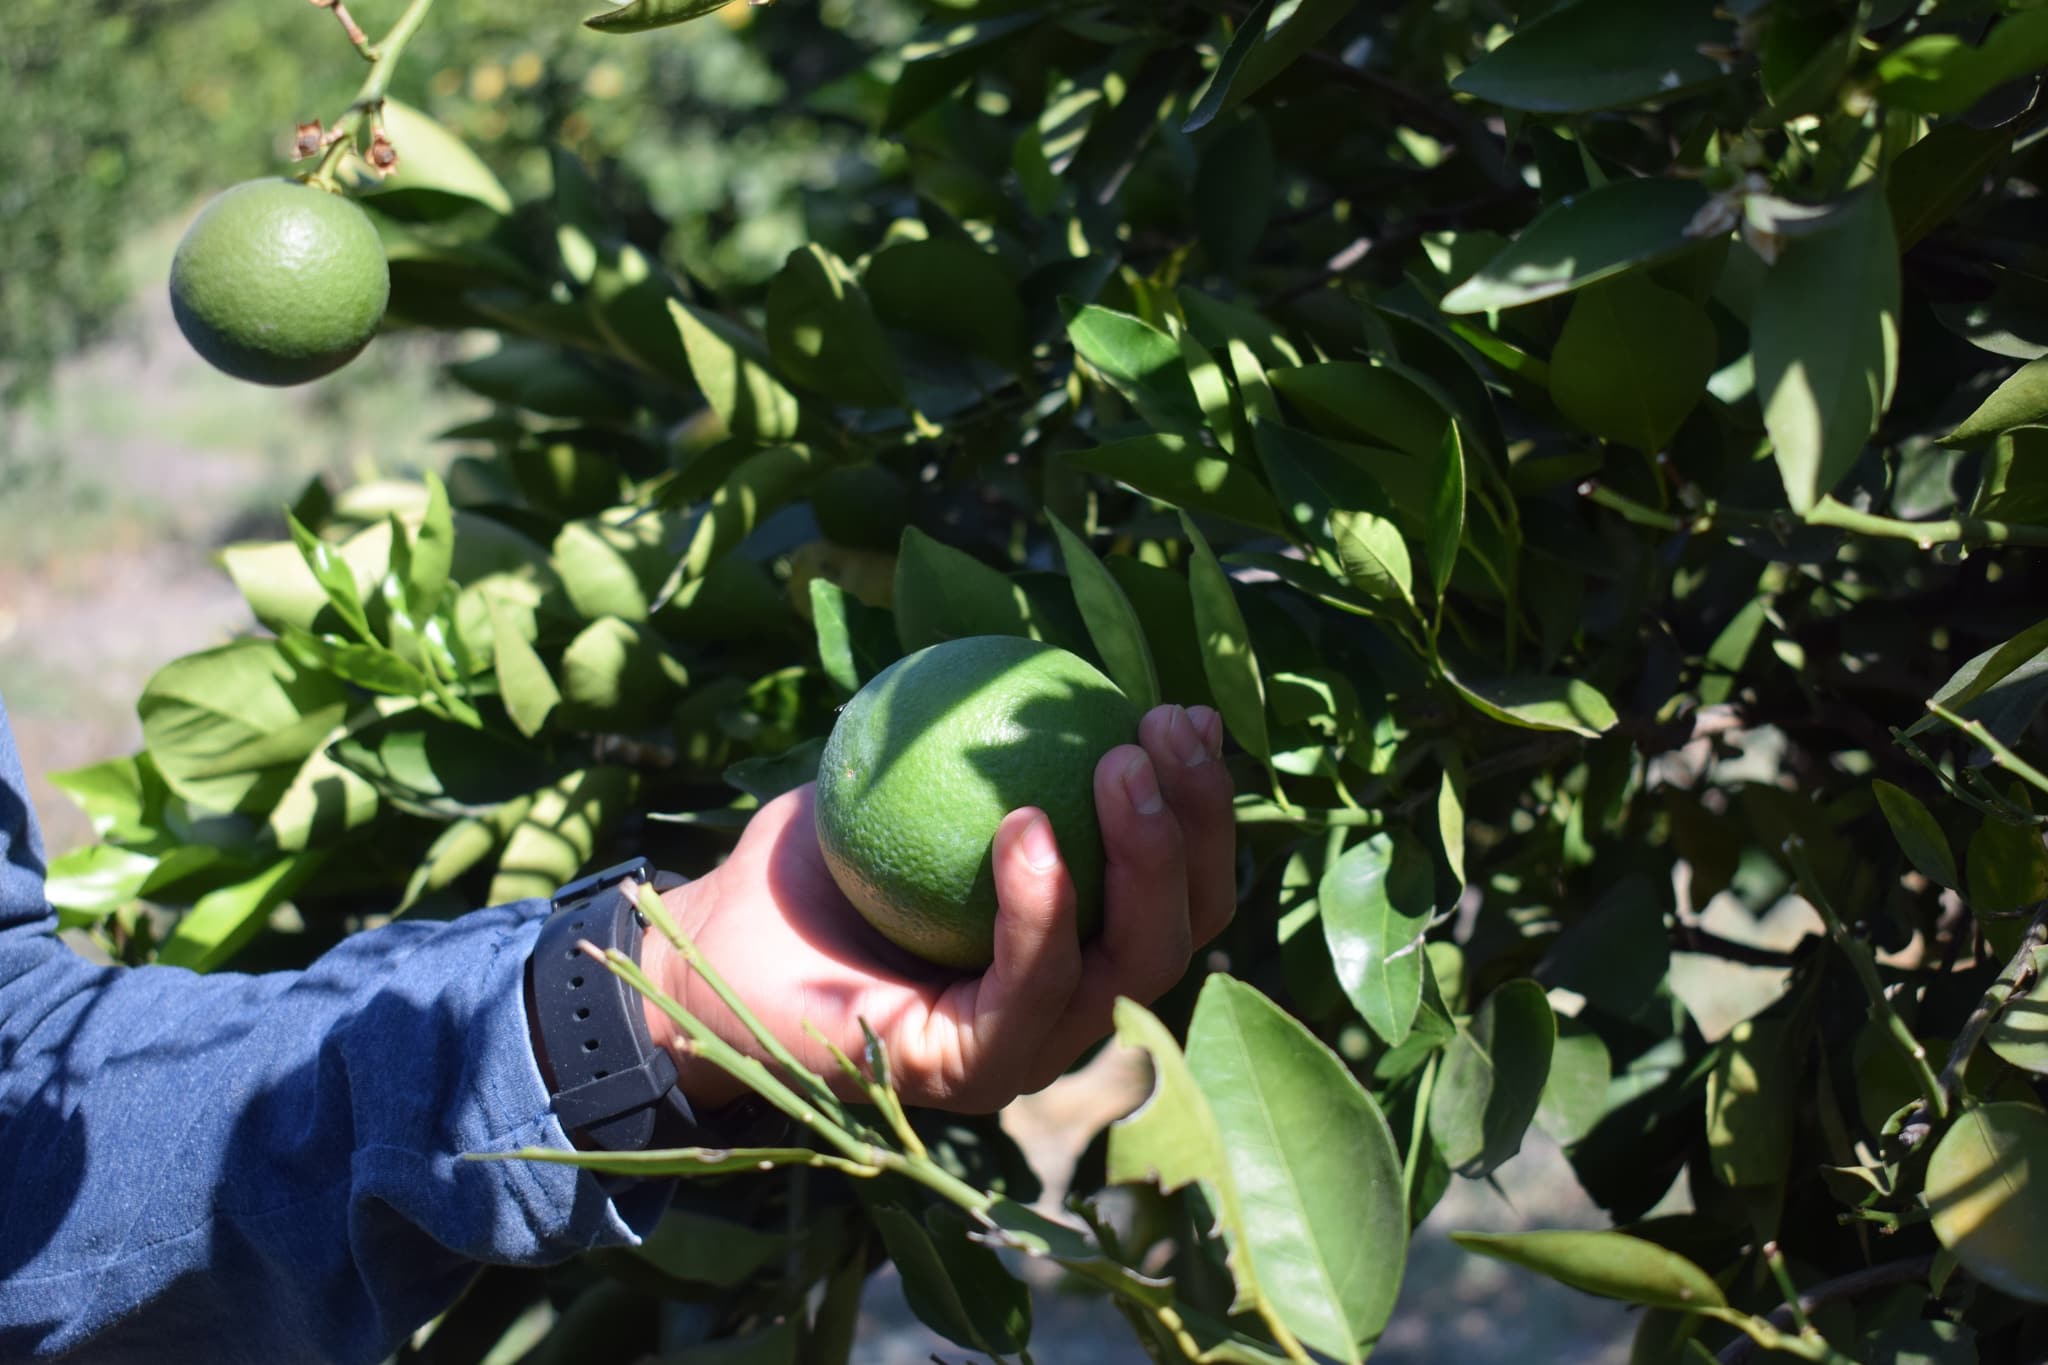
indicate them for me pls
(691, 905)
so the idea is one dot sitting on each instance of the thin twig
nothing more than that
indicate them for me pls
(356, 36)
(2015, 976)
(1826, 1292)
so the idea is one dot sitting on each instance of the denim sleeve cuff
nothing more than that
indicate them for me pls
(519, 1212)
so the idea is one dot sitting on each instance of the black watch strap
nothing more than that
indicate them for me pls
(611, 1083)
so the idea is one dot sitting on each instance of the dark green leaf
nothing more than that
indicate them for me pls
(731, 367)
(1940, 73)
(2021, 401)
(1918, 833)
(1140, 362)
(1588, 237)
(1227, 657)
(951, 291)
(1599, 54)
(823, 334)
(1492, 1079)
(1181, 473)
(767, 776)
(1268, 41)
(1934, 176)
(638, 16)
(1234, 193)
(2019, 1032)
(1985, 672)
(963, 1292)
(1112, 622)
(1752, 1094)
(946, 594)
(1632, 361)
(1539, 703)
(1373, 555)
(1826, 336)
(1368, 403)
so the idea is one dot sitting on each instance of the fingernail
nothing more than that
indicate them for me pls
(1142, 787)
(1186, 740)
(1211, 725)
(1041, 850)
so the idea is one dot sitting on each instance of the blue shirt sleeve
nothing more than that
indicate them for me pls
(267, 1168)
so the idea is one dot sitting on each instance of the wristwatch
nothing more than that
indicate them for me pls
(611, 1083)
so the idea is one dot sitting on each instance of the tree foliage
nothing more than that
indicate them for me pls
(1590, 455)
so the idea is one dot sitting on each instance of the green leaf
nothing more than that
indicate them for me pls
(1140, 362)
(2021, 401)
(613, 568)
(1987, 1192)
(122, 797)
(855, 641)
(2007, 869)
(731, 367)
(954, 292)
(1492, 1079)
(1985, 672)
(1610, 1264)
(1918, 833)
(1939, 73)
(767, 776)
(947, 594)
(957, 1287)
(1180, 472)
(823, 333)
(761, 484)
(1539, 703)
(433, 552)
(229, 727)
(1826, 338)
(2019, 1031)
(638, 16)
(1173, 1141)
(1752, 1094)
(221, 921)
(1450, 816)
(324, 802)
(1325, 1222)
(1227, 658)
(1588, 237)
(619, 675)
(1268, 41)
(1369, 403)
(1234, 193)
(461, 846)
(559, 832)
(1601, 54)
(432, 158)
(1112, 621)
(524, 684)
(938, 59)
(1575, 1092)
(1444, 527)
(336, 577)
(1632, 362)
(1373, 555)
(88, 883)
(1933, 177)
(1376, 902)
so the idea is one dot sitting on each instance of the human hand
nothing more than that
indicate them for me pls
(775, 925)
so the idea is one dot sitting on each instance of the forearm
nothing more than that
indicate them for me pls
(179, 1146)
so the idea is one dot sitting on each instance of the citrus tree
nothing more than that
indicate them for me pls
(1590, 454)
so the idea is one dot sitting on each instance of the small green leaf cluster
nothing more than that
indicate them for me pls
(1589, 453)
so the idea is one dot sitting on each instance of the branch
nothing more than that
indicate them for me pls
(2015, 976)
(368, 105)
(1690, 938)
(1828, 513)
(1826, 1292)
(356, 36)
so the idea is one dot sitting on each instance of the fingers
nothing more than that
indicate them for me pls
(1186, 746)
(982, 1040)
(1145, 931)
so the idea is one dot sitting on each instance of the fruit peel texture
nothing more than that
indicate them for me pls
(929, 757)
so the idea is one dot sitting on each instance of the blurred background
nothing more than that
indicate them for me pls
(126, 463)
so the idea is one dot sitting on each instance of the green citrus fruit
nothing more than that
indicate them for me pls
(928, 758)
(278, 282)
(863, 505)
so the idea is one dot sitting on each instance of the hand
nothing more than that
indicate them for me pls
(775, 925)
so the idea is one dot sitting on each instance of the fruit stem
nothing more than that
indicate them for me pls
(369, 98)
